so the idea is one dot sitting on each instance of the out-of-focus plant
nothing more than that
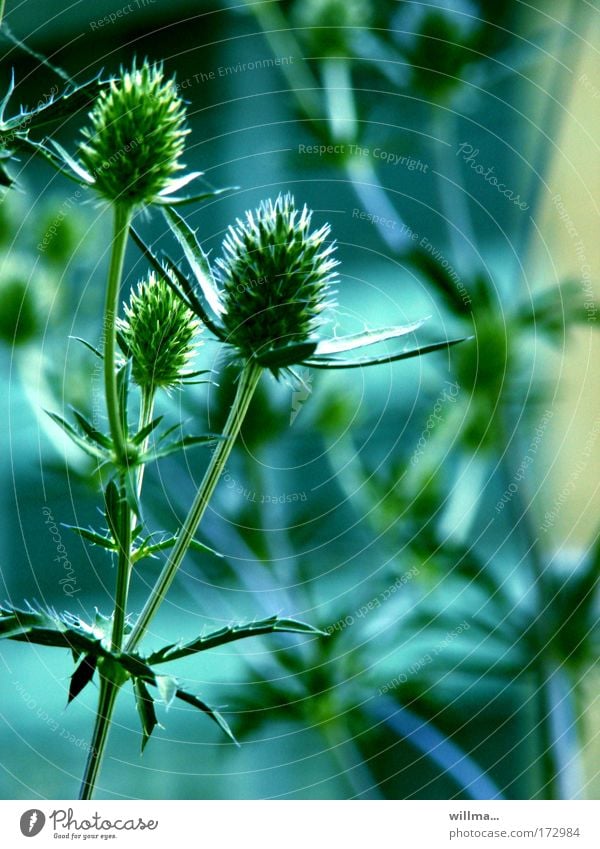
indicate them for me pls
(456, 493)
(430, 53)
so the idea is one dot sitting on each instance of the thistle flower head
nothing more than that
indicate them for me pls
(159, 333)
(136, 136)
(266, 294)
(275, 277)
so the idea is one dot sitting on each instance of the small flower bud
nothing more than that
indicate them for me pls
(159, 333)
(136, 137)
(275, 277)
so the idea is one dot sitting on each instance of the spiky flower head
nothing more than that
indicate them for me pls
(159, 333)
(136, 137)
(275, 277)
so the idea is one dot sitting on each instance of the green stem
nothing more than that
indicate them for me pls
(115, 272)
(247, 385)
(146, 413)
(2, 5)
(106, 702)
(108, 687)
(123, 576)
(116, 416)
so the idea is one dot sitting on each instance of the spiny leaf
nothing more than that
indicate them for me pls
(163, 200)
(231, 634)
(89, 346)
(214, 714)
(179, 183)
(92, 432)
(145, 707)
(7, 96)
(93, 537)
(80, 441)
(341, 344)
(131, 492)
(148, 549)
(146, 431)
(285, 355)
(48, 628)
(196, 258)
(70, 101)
(336, 362)
(123, 381)
(82, 676)
(85, 178)
(196, 545)
(183, 288)
(178, 445)
(52, 158)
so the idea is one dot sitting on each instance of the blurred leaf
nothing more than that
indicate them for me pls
(472, 780)
(554, 310)
(457, 299)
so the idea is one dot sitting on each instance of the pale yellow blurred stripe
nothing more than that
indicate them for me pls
(575, 175)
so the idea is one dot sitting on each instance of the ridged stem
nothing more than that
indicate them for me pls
(106, 703)
(246, 387)
(109, 688)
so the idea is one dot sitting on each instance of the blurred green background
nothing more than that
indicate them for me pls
(438, 517)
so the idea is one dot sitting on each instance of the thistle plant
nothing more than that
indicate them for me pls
(265, 299)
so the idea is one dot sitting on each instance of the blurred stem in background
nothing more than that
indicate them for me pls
(560, 748)
(339, 113)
